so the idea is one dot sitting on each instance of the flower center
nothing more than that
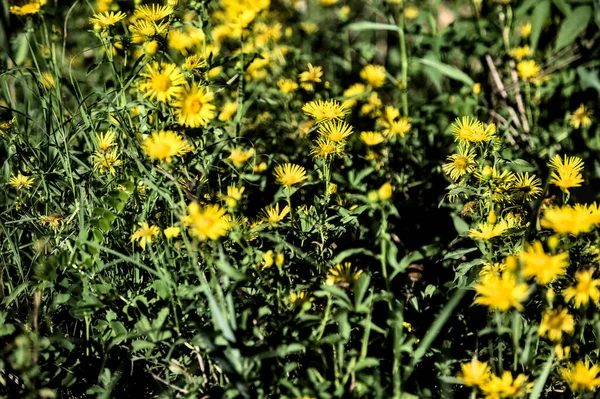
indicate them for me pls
(161, 83)
(193, 105)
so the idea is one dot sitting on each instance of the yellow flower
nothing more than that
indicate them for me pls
(525, 29)
(106, 161)
(474, 373)
(506, 386)
(327, 149)
(153, 12)
(308, 78)
(398, 128)
(585, 290)
(300, 298)
(328, 2)
(385, 191)
(239, 157)
(194, 108)
(272, 215)
(566, 174)
(234, 194)
(172, 232)
(372, 138)
(21, 181)
(287, 86)
(163, 81)
(491, 270)
(581, 117)
(47, 80)
(525, 187)
(194, 62)
(144, 30)
(528, 69)
(106, 140)
(520, 52)
(323, 111)
(461, 163)
(206, 223)
(467, 129)
(569, 220)
(289, 174)
(501, 292)
(581, 376)
(343, 275)
(335, 131)
(165, 145)
(107, 19)
(477, 88)
(545, 268)
(374, 75)
(228, 111)
(145, 234)
(352, 93)
(29, 8)
(53, 220)
(411, 12)
(555, 322)
(487, 231)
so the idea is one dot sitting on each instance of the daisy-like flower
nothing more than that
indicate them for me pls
(585, 290)
(21, 181)
(323, 111)
(106, 19)
(164, 145)
(569, 220)
(54, 221)
(239, 156)
(374, 75)
(162, 81)
(525, 187)
(142, 29)
(501, 292)
(581, 117)
(195, 108)
(310, 77)
(372, 138)
(228, 110)
(487, 231)
(172, 232)
(325, 148)
(153, 12)
(467, 129)
(343, 275)
(398, 127)
(520, 52)
(289, 174)
(461, 163)
(194, 63)
(300, 298)
(544, 267)
(336, 131)
(287, 86)
(555, 322)
(506, 386)
(206, 223)
(234, 194)
(566, 173)
(528, 69)
(27, 8)
(352, 93)
(106, 161)
(145, 234)
(581, 376)
(272, 215)
(106, 140)
(474, 373)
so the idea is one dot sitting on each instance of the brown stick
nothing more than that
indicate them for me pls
(518, 97)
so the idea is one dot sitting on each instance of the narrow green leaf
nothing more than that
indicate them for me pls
(448, 70)
(540, 14)
(367, 25)
(541, 380)
(572, 26)
(563, 7)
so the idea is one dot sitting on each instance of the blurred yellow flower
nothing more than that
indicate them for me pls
(585, 290)
(172, 232)
(206, 223)
(581, 376)
(555, 322)
(501, 292)
(544, 267)
(528, 69)
(581, 117)
(474, 373)
(374, 75)
(164, 145)
(239, 156)
(145, 234)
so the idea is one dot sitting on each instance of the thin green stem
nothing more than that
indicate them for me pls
(404, 91)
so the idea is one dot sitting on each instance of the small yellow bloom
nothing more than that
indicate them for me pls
(343, 275)
(581, 117)
(544, 267)
(21, 181)
(585, 290)
(474, 373)
(289, 174)
(555, 322)
(528, 69)
(385, 191)
(374, 75)
(501, 292)
(172, 232)
(165, 145)
(582, 376)
(239, 157)
(145, 234)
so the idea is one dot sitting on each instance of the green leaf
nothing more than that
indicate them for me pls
(448, 70)
(538, 20)
(572, 26)
(141, 345)
(541, 380)
(523, 8)
(563, 7)
(460, 225)
(367, 25)
(366, 363)
(521, 165)
(589, 79)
